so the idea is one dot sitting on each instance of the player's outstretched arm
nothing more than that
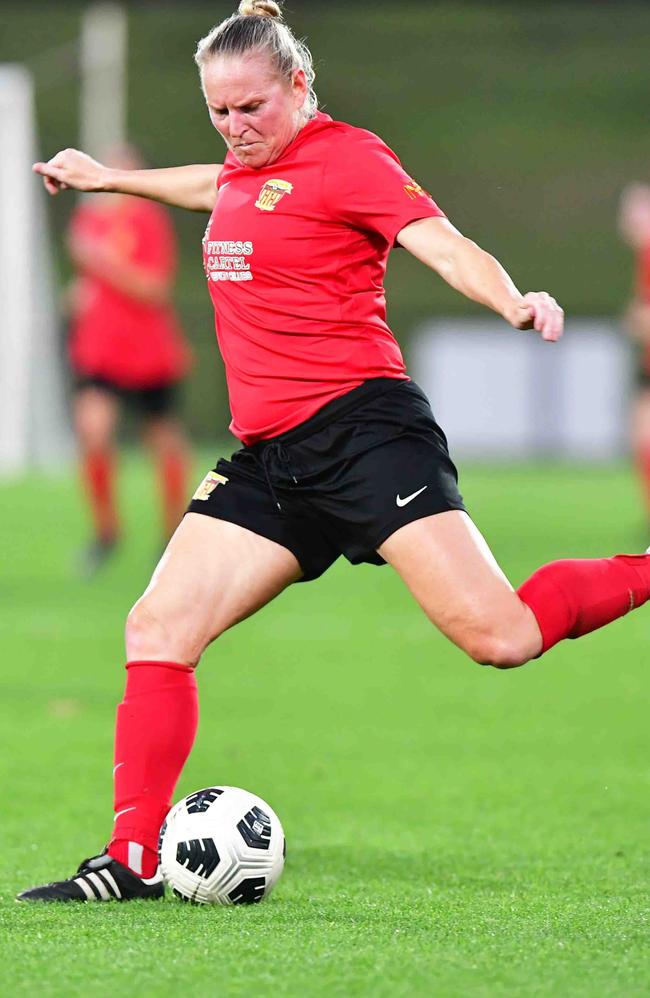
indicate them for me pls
(192, 187)
(477, 275)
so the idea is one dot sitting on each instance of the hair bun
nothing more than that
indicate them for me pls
(260, 8)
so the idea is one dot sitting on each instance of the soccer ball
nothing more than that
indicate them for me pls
(222, 845)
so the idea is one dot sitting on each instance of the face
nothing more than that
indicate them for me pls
(256, 111)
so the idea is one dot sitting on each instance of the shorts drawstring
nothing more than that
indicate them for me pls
(277, 451)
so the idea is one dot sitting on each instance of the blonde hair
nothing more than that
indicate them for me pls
(259, 26)
(260, 8)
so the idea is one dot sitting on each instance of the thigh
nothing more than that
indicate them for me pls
(240, 491)
(212, 575)
(96, 411)
(162, 434)
(451, 572)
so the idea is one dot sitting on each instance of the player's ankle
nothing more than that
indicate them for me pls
(138, 858)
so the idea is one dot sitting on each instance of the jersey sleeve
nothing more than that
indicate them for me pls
(366, 186)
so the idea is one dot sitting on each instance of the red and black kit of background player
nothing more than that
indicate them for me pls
(126, 347)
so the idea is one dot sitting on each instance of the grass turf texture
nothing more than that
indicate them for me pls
(451, 830)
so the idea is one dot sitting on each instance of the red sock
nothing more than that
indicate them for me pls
(98, 472)
(154, 733)
(571, 598)
(174, 475)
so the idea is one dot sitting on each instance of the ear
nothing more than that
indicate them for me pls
(299, 87)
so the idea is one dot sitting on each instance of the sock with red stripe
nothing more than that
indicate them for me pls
(98, 473)
(154, 734)
(573, 597)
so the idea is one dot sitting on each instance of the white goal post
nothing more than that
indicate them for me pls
(33, 424)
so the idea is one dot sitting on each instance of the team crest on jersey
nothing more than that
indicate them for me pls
(209, 484)
(272, 192)
(414, 190)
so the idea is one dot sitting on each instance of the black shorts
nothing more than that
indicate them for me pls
(158, 401)
(343, 481)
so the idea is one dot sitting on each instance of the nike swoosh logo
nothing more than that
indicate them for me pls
(123, 812)
(408, 499)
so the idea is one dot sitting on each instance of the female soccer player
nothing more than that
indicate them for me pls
(341, 452)
(126, 346)
(635, 229)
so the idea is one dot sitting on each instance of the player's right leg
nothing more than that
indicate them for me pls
(213, 574)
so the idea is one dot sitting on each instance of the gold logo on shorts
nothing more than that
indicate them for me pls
(209, 484)
(272, 192)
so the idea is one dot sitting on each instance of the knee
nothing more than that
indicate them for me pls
(499, 650)
(144, 630)
(152, 634)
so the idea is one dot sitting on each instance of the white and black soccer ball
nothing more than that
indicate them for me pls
(222, 845)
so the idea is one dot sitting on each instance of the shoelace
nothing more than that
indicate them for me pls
(85, 864)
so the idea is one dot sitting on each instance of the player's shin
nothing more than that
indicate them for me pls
(573, 597)
(98, 473)
(155, 729)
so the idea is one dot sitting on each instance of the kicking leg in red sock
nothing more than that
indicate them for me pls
(574, 597)
(449, 569)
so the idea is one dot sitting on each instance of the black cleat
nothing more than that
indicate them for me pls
(100, 878)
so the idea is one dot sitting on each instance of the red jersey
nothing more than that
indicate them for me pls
(131, 343)
(295, 255)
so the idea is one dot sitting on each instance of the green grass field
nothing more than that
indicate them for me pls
(452, 830)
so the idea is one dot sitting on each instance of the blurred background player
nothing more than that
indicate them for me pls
(126, 346)
(635, 228)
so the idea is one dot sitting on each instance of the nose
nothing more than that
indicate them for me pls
(237, 123)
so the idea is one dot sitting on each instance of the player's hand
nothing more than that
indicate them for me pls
(71, 168)
(537, 310)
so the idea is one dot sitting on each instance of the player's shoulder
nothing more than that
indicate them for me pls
(353, 137)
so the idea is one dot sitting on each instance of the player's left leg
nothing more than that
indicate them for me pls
(447, 565)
